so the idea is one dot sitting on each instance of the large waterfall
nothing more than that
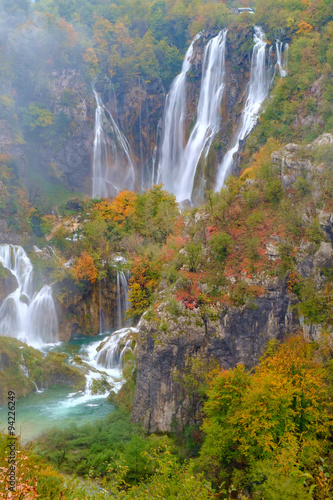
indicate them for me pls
(173, 141)
(208, 114)
(113, 169)
(258, 88)
(24, 315)
(178, 165)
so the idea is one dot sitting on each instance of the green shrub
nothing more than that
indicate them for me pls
(221, 245)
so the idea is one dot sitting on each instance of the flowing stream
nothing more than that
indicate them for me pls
(101, 360)
(113, 168)
(258, 88)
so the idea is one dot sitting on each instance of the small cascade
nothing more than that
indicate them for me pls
(208, 114)
(172, 147)
(281, 57)
(258, 88)
(150, 171)
(23, 367)
(113, 169)
(122, 297)
(113, 350)
(27, 317)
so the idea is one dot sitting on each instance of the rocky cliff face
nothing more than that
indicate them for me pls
(86, 310)
(237, 335)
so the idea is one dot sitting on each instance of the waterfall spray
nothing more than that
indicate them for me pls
(113, 169)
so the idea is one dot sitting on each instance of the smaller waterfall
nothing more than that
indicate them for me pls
(113, 350)
(122, 298)
(31, 320)
(281, 57)
(208, 114)
(113, 169)
(172, 147)
(258, 88)
(24, 367)
(43, 317)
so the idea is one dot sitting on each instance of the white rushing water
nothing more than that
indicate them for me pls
(208, 113)
(281, 57)
(173, 140)
(122, 297)
(178, 164)
(27, 316)
(104, 359)
(114, 348)
(113, 168)
(258, 88)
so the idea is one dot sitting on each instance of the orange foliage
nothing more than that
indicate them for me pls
(304, 27)
(4, 157)
(120, 209)
(85, 268)
(71, 34)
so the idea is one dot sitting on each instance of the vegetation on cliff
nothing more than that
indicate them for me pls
(260, 433)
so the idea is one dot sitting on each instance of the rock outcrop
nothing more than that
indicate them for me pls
(237, 335)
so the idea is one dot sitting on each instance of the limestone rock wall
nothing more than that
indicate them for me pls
(239, 335)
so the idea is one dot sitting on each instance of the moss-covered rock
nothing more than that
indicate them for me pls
(8, 282)
(20, 368)
(57, 372)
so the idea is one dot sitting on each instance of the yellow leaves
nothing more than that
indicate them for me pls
(263, 158)
(248, 173)
(283, 405)
(101, 31)
(90, 57)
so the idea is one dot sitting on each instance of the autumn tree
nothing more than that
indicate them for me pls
(281, 413)
(85, 268)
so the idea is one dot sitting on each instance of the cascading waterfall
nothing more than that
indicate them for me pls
(208, 114)
(281, 57)
(172, 147)
(113, 169)
(113, 350)
(258, 88)
(27, 317)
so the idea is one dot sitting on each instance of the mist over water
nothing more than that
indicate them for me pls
(113, 168)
